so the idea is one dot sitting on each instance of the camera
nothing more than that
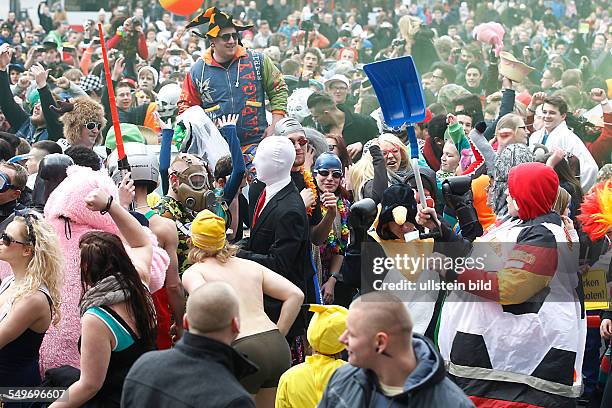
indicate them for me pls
(398, 43)
(457, 185)
(307, 25)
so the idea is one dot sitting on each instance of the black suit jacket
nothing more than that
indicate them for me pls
(280, 241)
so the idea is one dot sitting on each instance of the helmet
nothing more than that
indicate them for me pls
(144, 165)
(167, 99)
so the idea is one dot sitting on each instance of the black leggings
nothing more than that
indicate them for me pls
(270, 352)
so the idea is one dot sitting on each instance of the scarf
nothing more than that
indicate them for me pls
(511, 156)
(443, 175)
(107, 292)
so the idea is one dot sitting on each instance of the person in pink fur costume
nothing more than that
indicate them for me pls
(65, 210)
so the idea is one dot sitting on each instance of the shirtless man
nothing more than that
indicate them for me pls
(263, 341)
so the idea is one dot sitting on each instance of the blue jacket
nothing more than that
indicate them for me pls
(426, 386)
(239, 89)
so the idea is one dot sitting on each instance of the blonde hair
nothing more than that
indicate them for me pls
(363, 171)
(223, 255)
(562, 201)
(45, 267)
(510, 121)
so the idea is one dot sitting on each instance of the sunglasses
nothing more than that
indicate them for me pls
(93, 125)
(5, 183)
(301, 141)
(335, 174)
(7, 240)
(393, 150)
(28, 216)
(226, 37)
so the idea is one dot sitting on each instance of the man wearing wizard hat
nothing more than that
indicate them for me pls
(252, 77)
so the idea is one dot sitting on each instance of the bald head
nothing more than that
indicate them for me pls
(383, 312)
(212, 308)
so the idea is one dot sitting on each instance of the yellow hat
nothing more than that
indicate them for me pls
(208, 231)
(326, 326)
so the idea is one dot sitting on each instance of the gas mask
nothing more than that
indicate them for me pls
(194, 190)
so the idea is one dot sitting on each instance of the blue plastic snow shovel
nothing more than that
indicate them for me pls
(398, 88)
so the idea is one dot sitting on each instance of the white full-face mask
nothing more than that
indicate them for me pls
(273, 160)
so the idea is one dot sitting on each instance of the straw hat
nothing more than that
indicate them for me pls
(512, 68)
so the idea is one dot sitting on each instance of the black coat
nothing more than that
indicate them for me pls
(280, 241)
(198, 372)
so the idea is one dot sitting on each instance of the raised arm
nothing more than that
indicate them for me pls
(140, 250)
(227, 127)
(55, 129)
(15, 115)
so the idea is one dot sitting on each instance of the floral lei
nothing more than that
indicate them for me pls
(312, 186)
(338, 245)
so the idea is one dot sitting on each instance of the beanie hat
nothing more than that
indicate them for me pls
(208, 231)
(534, 187)
(326, 327)
(129, 132)
(152, 71)
(90, 83)
(33, 97)
(448, 94)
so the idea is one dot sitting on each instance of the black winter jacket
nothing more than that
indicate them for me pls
(198, 372)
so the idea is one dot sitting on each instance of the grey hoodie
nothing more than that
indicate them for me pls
(426, 386)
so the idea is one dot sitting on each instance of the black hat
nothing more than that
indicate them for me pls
(396, 196)
(217, 20)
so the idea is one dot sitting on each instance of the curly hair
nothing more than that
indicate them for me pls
(47, 263)
(85, 110)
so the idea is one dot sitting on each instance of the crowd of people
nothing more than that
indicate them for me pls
(212, 225)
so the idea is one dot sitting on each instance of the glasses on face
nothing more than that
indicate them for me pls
(335, 173)
(93, 125)
(300, 141)
(332, 147)
(226, 37)
(7, 240)
(393, 151)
